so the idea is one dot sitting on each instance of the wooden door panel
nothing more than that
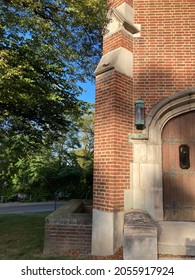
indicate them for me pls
(178, 179)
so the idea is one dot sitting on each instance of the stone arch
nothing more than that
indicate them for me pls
(166, 109)
(146, 188)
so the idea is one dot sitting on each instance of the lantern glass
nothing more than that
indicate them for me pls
(139, 114)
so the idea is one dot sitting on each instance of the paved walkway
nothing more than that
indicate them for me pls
(29, 207)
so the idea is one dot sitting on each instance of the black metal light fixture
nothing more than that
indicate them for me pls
(139, 114)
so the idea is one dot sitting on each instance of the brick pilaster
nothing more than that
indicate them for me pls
(112, 151)
(113, 120)
(114, 115)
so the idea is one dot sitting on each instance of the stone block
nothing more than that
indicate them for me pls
(151, 176)
(135, 175)
(140, 236)
(107, 235)
(140, 153)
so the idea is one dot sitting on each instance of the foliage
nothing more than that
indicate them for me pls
(42, 60)
(65, 168)
(46, 48)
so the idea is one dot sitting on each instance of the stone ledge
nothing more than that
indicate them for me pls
(138, 218)
(119, 59)
(71, 213)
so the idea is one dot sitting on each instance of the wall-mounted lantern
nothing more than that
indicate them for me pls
(139, 114)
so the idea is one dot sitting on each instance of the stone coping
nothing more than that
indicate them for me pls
(71, 213)
(138, 218)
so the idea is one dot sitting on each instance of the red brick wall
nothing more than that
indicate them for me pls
(164, 54)
(117, 40)
(59, 238)
(163, 63)
(113, 118)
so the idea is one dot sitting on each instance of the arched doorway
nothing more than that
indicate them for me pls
(178, 161)
(148, 156)
(148, 172)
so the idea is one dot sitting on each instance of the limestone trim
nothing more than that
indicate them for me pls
(147, 194)
(107, 232)
(166, 109)
(119, 59)
(122, 19)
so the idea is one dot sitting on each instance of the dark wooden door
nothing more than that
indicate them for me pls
(178, 156)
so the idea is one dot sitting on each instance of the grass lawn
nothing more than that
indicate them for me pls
(22, 237)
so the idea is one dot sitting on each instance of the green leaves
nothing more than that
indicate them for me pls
(47, 47)
(41, 169)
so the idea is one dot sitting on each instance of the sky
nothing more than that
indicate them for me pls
(89, 92)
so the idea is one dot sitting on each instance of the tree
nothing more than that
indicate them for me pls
(46, 48)
(65, 167)
(84, 153)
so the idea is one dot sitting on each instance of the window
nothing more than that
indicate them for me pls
(184, 156)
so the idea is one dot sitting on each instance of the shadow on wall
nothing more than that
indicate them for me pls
(159, 81)
(190, 247)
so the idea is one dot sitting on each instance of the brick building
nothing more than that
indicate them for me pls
(148, 52)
